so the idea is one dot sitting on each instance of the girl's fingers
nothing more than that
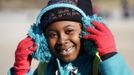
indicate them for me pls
(92, 30)
(33, 48)
(90, 37)
(28, 44)
(24, 41)
(99, 26)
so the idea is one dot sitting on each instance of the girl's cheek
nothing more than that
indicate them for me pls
(51, 43)
(75, 37)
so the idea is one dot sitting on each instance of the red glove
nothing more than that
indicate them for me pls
(102, 37)
(22, 56)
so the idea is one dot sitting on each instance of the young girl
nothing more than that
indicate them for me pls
(66, 42)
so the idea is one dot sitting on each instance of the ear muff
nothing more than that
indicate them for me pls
(43, 53)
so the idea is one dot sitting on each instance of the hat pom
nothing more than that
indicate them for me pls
(73, 2)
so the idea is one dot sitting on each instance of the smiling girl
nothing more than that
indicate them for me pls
(66, 38)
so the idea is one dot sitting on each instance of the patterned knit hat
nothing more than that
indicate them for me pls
(60, 14)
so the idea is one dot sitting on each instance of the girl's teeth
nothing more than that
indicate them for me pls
(65, 52)
(69, 49)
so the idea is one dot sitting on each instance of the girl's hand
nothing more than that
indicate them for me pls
(22, 56)
(102, 37)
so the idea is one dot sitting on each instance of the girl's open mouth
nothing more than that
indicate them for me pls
(67, 51)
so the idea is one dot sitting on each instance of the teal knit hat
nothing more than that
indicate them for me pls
(43, 52)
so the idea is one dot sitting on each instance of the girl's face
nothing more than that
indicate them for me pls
(64, 39)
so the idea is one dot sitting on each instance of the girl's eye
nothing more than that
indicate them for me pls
(52, 35)
(70, 31)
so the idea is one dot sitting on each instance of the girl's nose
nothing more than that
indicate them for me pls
(62, 39)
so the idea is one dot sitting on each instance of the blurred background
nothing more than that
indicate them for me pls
(16, 16)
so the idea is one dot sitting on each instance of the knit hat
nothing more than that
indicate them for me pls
(66, 6)
(60, 14)
(85, 5)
